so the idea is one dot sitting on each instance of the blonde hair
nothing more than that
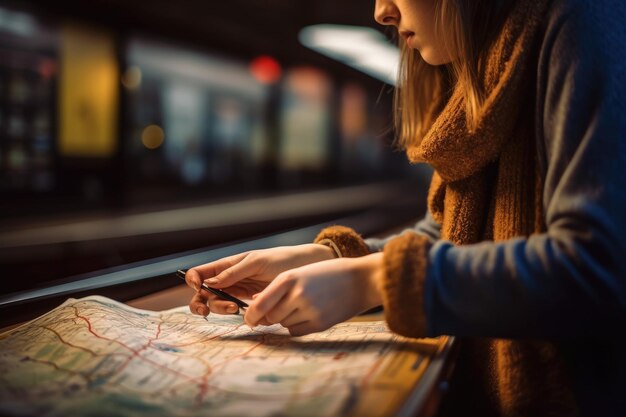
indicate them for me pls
(467, 28)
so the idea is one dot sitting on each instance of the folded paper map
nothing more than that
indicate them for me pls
(97, 357)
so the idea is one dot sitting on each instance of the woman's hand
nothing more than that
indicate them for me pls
(315, 297)
(246, 274)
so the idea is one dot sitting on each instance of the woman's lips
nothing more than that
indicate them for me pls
(407, 36)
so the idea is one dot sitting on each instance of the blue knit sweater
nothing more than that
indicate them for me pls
(568, 284)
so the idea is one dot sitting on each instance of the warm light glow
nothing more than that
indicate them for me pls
(132, 78)
(310, 83)
(362, 48)
(306, 119)
(152, 137)
(266, 69)
(353, 113)
(88, 92)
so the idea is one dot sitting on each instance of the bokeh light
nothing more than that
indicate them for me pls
(266, 69)
(132, 78)
(152, 137)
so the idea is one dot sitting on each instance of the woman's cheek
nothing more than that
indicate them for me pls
(434, 56)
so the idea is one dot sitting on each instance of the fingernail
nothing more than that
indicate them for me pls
(199, 311)
(212, 281)
(232, 308)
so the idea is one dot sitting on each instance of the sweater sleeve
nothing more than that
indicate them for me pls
(347, 242)
(571, 280)
(427, 227)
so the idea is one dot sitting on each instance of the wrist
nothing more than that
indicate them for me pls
(372, 271)
(332, 245)
(319, 252)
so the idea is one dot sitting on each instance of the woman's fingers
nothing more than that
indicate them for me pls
(245, 268)
(222, 306)
(196, 275)
(217, 304)
(198, 304)
(294, 318)
(193, 279)
(199, 301)
(264, 322)
(302, 329)
(267, 300)
(281, 310)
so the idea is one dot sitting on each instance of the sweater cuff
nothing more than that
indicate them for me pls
(349, 242)
(405, 259)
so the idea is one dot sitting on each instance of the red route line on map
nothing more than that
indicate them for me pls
(58, 368)
(68, 343)
(204, 385)
(90, 329)
(158, 333)
(135, 352)
(256, 345)
(208, 339)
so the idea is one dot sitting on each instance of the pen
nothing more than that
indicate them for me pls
(221, 294)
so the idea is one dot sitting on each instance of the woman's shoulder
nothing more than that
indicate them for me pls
(586, 33)
(588, 7)
(581, 77)
(589, 20)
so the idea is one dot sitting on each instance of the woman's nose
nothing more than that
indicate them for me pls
(386, 13)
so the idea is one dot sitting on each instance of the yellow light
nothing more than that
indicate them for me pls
(88, 93)
(152, 137)
(132, 78)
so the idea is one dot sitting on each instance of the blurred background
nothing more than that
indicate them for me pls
(131, 130)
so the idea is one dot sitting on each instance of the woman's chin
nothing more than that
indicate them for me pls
(433, 57)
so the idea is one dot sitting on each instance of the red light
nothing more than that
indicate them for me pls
(265, 69)
(47, 68)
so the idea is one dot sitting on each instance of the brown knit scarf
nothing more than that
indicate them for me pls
(486, 187)
(464, 161)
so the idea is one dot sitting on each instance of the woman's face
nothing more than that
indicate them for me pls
(415, 21)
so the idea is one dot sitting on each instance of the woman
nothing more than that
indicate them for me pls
(519, 107)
